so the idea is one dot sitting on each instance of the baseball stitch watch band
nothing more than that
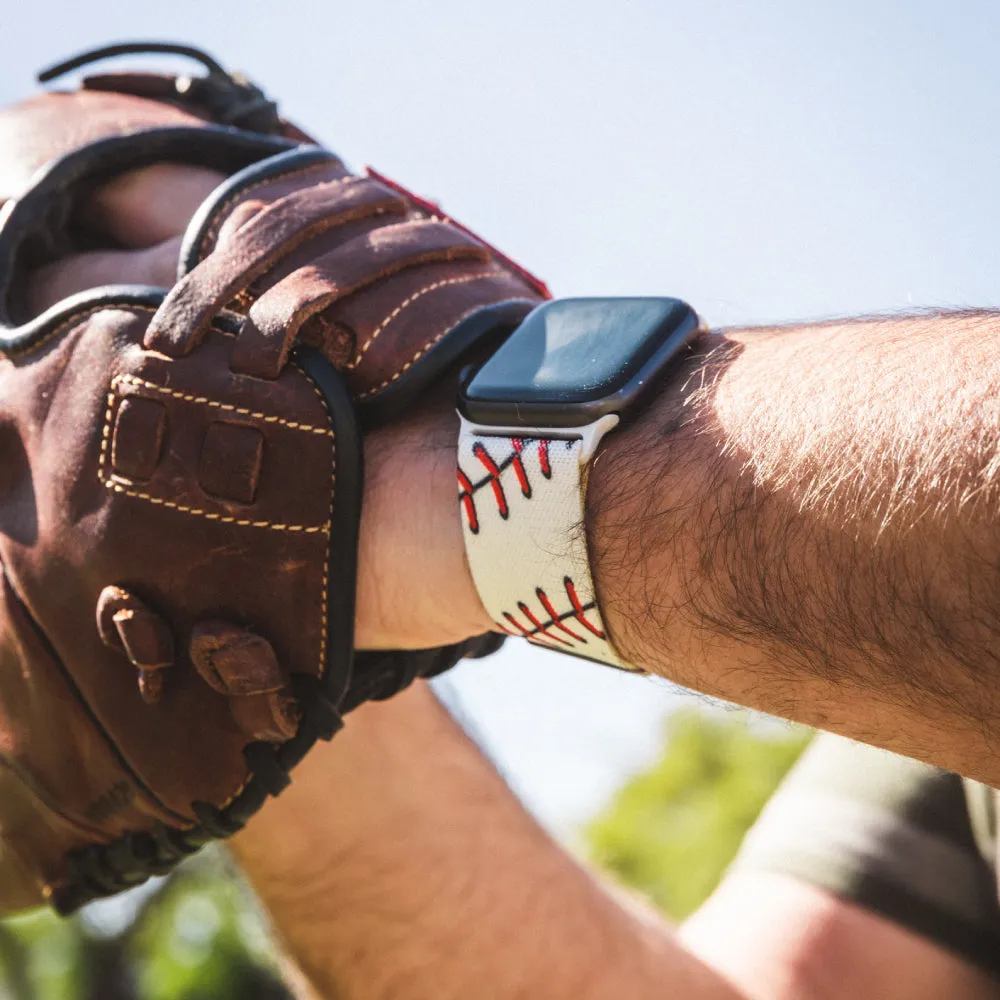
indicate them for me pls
(522, 503)
(532, 418)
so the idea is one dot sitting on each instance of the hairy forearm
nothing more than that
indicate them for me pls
(399, 865)
(806, 522)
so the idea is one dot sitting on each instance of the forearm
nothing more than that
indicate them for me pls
(807, 523)
(398, 864)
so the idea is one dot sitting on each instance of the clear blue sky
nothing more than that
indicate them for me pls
(765, 160)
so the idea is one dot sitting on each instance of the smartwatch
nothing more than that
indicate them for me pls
(532, 417)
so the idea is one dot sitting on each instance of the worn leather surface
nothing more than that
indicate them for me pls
(175, 488)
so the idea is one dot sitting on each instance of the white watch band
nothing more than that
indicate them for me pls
(521, 493)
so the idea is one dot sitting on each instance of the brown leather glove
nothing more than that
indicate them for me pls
(180, 470)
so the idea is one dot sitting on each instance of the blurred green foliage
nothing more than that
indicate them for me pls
(672, 830)
(196, 936)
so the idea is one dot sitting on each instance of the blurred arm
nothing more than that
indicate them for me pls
(398, 864)
(867, 865)
(784, 939)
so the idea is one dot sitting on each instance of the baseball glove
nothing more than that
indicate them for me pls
(180, 469)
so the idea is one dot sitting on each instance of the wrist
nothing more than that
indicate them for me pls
(414, 585)
(532, 417)
(645, 492)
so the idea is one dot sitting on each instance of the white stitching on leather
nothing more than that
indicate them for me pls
(324, 593)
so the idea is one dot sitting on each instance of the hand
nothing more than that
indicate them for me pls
(414, 586)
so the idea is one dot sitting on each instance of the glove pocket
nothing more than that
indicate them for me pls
(63, 784)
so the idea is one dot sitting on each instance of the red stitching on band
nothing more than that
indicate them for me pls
(468, 502)
(543, 458)
(518, 466)
(554, 615)
(534, 636)
(540, 628)
(544, 463)
(540, 631)
(578, 609)
(493, 469)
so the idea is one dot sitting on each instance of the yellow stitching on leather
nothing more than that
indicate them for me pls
(228, 407)
(324, 597)
(75, 318)
(116, 483)
(416, 357)
(106, 435)
(409, 301)
(111, 484)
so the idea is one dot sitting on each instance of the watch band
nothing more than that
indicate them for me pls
(522, 506)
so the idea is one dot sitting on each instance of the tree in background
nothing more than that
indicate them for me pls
(673, 829)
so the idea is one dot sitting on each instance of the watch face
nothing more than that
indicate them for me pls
(572, 360)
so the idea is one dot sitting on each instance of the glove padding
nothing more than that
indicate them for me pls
(181, 471)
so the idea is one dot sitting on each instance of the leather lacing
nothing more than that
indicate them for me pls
(227, 98)
(102, 870)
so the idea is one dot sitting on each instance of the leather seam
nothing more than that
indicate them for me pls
(70, 681)
(68, 322)
(41, 798)
(420, 353)
(34, 345)
(325, 598)
(228, 407)
(109, 481)
(464, 279)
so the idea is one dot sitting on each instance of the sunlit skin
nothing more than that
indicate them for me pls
(767, 490)
(801, 522)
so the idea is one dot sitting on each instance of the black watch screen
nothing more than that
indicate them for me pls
(572, 361)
